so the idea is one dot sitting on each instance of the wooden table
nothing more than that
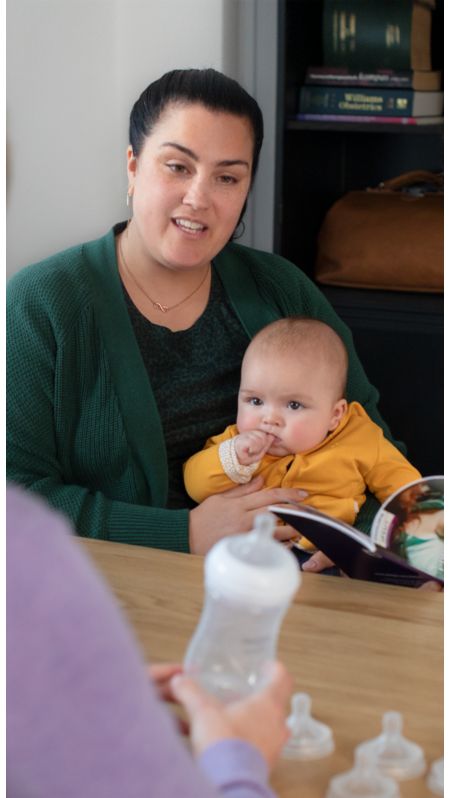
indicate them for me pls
(358, 648)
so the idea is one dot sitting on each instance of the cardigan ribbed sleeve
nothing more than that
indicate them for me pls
(66, 437)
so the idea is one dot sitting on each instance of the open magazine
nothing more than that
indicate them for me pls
(406, 542)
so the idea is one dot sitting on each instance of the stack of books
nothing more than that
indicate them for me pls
(378, 65)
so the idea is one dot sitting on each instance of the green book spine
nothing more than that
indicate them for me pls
(368, 34)
(364, 101)
(421, 80)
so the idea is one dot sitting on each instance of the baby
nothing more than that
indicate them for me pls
(295, 427)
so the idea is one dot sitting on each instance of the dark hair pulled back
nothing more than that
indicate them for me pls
(206, 86)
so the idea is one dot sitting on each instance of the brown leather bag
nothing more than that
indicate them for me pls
(389, 237)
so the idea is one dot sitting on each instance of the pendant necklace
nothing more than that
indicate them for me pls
(157, 305)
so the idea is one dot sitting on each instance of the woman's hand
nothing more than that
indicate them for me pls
(233, 511)
(259, 720)
(162, 676)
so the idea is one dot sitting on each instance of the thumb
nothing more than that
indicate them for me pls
(269, 438)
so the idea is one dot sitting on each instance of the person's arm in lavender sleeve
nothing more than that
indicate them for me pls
(82, 717)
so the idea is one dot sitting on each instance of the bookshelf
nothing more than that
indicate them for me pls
(399, 335)
(364, 127)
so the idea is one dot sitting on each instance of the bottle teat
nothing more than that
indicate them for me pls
(435, 779)
(309, 738)
(264, 524)
(363, 781)
(392, 752)
(261, 535)
(253, 568)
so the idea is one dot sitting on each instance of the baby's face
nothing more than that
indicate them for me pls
(293, 400)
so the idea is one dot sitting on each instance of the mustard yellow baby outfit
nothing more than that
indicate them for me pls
(335, 474)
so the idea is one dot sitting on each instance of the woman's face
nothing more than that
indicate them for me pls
(189, 184)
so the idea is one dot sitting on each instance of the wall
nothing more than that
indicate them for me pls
(250, 55)
(74, 68)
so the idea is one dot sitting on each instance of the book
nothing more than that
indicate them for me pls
(361, 118)
(394, 34)
(369, 101)
(419, 79)
(406, 541)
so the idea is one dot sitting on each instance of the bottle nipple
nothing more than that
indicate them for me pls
(392, 753)
(362, 781)
(309, 738)
(435, 779)
(264, 525)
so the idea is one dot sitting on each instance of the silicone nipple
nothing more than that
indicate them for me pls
(363, 781)
(264, 525)
(435, 779)
(309, 739)
(392, 753)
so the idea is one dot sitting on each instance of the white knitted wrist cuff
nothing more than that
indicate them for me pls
(231, 466)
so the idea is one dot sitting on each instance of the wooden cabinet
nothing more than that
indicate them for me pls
(399, 336)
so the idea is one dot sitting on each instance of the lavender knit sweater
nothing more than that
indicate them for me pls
(83, 721)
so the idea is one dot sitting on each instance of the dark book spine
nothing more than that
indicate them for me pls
(368, 34)
(372, 120)
(341, 100)
(334, 76)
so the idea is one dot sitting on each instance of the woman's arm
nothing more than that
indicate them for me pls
(82, 718)
(60, 442)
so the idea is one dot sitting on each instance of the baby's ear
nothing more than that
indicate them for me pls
(338, 412)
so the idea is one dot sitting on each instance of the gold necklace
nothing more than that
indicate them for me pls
(157, 305)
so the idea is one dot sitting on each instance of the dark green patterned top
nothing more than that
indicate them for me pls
(190, 412)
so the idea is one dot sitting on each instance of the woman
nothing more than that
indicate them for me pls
(124, 353)
(82, 717)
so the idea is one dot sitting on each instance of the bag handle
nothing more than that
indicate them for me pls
(409, 178)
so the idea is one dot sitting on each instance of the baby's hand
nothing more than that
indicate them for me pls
(251, 446)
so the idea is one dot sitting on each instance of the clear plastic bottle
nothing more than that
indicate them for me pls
(250, 580)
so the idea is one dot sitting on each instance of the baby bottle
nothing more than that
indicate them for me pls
(250, 580)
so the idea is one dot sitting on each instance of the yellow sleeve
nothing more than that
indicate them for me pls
(203, 472)
(391, 470)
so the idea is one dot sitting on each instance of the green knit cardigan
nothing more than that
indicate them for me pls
(83, 428)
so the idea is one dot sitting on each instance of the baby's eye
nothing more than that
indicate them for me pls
(294, 405)
(255, 401)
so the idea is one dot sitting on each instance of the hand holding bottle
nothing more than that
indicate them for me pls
(259, 719)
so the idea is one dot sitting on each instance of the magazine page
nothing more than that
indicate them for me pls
(345, 546)
(322, 522)
(410, 524)
(355, 553)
